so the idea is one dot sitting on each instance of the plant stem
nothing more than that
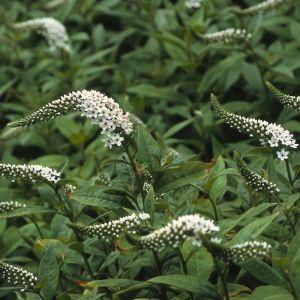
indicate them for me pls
(288, 169)
(210, 200)
(159, 272)
(222, 278)
(32, 219)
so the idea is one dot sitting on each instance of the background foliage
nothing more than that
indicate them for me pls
(148, 55)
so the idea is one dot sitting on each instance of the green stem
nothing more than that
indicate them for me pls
(288, 169)
(286, 215)
(210, 200)
(222, 278)
(32, 219)
(159, 272)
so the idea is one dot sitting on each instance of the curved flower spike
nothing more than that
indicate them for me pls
(113, 229)
(103, 111)
(18, 276)
(227, 36)
(263, 6)
(256, 181)
(33, 173)
(244, 251)
(270, 134)
(7, 206)
(54, 32)
(288, 101)
(173, 234)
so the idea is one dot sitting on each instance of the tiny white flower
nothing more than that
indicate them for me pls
(282, 154)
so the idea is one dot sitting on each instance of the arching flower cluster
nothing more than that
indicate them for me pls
(227, 36)
(244, 251)
(292, 102)
(32, 173)
(263, 6)
(103, 111)
(7, 206)
(191, 4)
(54, 32)
(269, 134)
(256, 181)
(177, 231)
(18, 276)
(113, 229)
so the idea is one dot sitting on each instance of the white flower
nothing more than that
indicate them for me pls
(174, 233)
(29, 172)
(263, 6)
(113, 228)
(273, 134)
(193, 3)
(282, 154)
(54, 32)
(227, 36)
(103, 111)
(7, 206)
(18, 276)
(247, 250)
(292, 102)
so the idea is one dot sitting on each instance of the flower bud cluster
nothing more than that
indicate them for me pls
(263, 6)
(54, 32)
(190, 4)
(7, 206)
(169, 157)
(104, 179)
(33, 173)
(18, 276)
(176, 232)
(244, 251)
(256, 181)
(69, 189)
(227, 36)
(292, 102)
(55, 4)
(113, 229)
(270, 134)
(103, 111)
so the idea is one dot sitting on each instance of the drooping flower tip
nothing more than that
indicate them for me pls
(18, 276)
(227, 36)
(32, 173)
(255, 180)
(102, 110)
(7, 206)
(113, 228)
(173, 234)
(263, 6)
(269, 134)
(54, 32)
(292, 102)
(193, 4)
(247, 250)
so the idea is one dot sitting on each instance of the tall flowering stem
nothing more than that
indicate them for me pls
(269, 134)
(32, 173)
(18, 276)
(227, 36)
(53, 31)
(113, 229)
(263, 6)
(292, 102)
(102, 110)
(254, 180)
(176, 232)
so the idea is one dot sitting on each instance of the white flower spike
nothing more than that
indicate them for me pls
(103, 111)
(227, 36)
(54, 32)
(7, 206)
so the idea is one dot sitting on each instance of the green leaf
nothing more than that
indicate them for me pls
(26, 211)
(117, 282)
(263, 272)
(294, 272)
(149, 151)
(254, 229)
(48, 273)
(270, 292)
(181, 175)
